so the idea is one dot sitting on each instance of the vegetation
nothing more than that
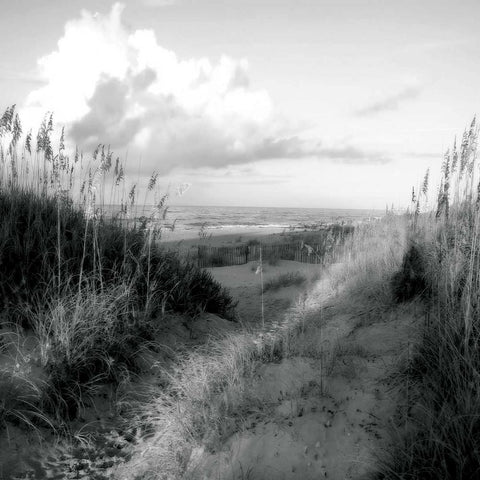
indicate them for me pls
(410, 280)
(442, 422)
(90, 285)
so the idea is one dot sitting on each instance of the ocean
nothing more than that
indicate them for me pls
(226, 219)
(184, 222)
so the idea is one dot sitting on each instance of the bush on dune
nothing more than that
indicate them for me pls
(410, 281)
(92, 286)
(45, 243)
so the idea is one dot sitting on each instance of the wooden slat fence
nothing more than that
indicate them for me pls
(325, 249)
(225, 256)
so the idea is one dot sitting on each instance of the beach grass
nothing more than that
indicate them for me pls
(86, 287)
(439, 433)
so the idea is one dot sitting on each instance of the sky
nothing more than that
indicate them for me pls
(301, 103)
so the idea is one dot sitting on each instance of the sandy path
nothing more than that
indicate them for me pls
(332, 405)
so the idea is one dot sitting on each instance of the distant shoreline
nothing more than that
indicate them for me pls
(231, 236)
(228, 236)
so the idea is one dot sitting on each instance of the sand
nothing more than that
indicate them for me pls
(246, 288)
(332, 411)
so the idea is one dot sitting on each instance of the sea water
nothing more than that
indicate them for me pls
(225, 218)
(183, 222)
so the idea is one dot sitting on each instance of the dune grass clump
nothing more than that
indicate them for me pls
(441, 429)
(45, 245)
(21, 387)
(440, 437)
(87, 340)
(89, 282)
(369, 258)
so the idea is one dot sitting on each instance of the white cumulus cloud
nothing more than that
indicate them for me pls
(112, 85)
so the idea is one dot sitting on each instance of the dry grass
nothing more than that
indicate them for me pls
(21, 383)
(370, 258)
(440, 427)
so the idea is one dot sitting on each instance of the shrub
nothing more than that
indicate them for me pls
(410, 280)
(45, 244)
(195, 291)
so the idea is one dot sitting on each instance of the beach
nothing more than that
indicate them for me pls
(219, 226)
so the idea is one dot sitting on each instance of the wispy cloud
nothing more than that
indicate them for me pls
(434, 155)
(438, 45)
(350, 154)
(391, 102)
(158, 3)
(22, 77)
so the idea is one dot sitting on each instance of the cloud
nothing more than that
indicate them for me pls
(436, 45)
(6, 74)
(438, 155)
(158, 3)
(391, 102)
(112, 85)
(349, 154)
